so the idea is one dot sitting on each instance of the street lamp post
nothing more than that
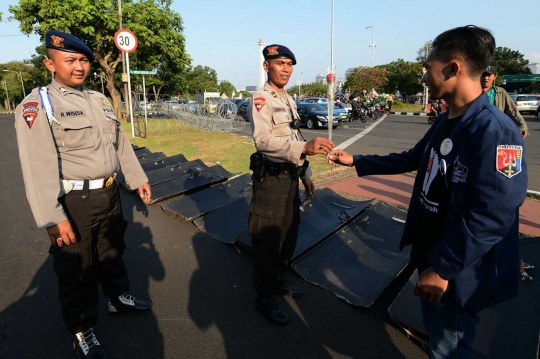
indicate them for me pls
(372, 45)
(7, 95)
(19, 73)
(101, 78)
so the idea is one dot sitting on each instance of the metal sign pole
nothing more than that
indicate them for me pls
(331, 82)
(145, 105)
(129, 97)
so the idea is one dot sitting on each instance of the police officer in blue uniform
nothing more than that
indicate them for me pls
(464, 211)
(71, 147)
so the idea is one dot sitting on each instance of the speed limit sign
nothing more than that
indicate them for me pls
(125, 40)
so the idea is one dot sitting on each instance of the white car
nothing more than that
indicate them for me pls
(526, 102)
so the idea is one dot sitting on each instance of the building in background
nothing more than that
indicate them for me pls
(534, 67)
(320, 78)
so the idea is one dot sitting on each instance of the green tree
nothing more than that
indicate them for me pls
(245, 94)
(509, 62)
(366, 78)
(403, 76)
(201, 79)
(10, 73)
(158, 29)
(227, 88)
(423, 52)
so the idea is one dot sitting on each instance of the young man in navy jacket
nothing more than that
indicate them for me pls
(463, 215)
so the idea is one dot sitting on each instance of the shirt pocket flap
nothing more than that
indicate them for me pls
(281, 117)
(76, 123)
(261, 210)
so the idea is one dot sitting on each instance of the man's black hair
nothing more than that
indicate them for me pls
(473, 44)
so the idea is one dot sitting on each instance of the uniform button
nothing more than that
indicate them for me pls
(84, 196)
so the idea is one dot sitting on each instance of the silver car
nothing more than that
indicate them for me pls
(526, 102)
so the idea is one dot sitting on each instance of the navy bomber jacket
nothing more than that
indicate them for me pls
(478, 253)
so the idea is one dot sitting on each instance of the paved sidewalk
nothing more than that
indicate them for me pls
(397, 189)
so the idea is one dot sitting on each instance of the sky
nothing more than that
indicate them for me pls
(224, 34)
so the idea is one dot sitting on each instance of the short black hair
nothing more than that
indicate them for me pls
(473, 44)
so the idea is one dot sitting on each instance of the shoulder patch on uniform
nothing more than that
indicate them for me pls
(259, 103)
(30, 111)
(509, 160)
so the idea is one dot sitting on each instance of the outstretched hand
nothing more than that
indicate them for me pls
(339, 157)
(318, 146)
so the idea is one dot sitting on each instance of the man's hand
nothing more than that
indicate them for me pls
(309, 187)
(339, 157)
(61, 234)
(524, 134)
(145, 193)
(430, 286)
(318, 146)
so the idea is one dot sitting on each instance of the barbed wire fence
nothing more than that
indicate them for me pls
(216, 115)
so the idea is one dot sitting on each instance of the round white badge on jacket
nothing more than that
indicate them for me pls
(446, 146)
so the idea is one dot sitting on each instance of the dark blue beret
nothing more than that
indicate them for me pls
(63, 41)
(278, 51)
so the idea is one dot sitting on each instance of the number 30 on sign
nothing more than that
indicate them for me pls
(126, 40)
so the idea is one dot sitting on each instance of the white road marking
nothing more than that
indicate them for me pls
(352, 140)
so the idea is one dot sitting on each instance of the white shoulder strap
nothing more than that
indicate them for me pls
(47, 105)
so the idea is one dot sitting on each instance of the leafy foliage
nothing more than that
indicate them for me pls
(421, 54)
(403, 76)
(366, 78)
(312, 89)
(509, 62)
(201, 79)
(227, 88)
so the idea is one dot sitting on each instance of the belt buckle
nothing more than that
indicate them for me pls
(108, 181)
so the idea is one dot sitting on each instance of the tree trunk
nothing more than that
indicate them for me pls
(115, 95)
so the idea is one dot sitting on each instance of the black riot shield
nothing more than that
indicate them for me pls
(319, 218)
(225, 222)
(142, 151)
(507, 330)
(197, 204)
(359, 261)
(163, 162)
(151, 157)
(190, 181)
(172, 172)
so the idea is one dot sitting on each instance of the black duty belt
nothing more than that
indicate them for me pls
(275, 169)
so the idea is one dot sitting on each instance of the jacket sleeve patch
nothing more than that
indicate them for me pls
(259, 103)
(30, 111)
(509, 160)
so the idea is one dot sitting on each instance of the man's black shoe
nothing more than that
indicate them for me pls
(269, 308)
(128, 304)
(87, 347)
(284, 287)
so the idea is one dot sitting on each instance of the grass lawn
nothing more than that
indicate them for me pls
(231, 151)
(399, 106)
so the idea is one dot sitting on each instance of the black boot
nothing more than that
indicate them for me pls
(271, 310)
(284, 287)
(87, 347)
(128, 304)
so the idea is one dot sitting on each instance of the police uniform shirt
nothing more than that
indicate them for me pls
(86, 144)
(270, 117)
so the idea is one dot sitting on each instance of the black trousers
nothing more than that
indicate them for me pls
(96, 258)
(274, 216)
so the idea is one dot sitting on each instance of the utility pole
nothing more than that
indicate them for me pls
(19, 74)
(372, 45)
(124, 74)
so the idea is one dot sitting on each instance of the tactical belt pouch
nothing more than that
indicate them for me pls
(262, 167)
(302, 170)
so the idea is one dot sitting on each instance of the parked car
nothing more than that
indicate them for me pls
(342, 113)
(314, 100)
(238, 101)
(526, 102)
(243, 109)
(341, 105)
(313, 115)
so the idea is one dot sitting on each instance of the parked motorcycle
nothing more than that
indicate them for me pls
(432, 115)
(358, 113)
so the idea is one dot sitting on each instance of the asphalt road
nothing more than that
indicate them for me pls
(400, 133)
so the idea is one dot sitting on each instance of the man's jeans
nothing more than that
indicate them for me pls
(451, 330)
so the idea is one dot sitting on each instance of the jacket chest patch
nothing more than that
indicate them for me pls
(71, 113)
(460, 172)
(509, 160)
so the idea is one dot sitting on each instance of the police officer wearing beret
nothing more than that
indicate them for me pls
(71, 147)
(280, 160)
